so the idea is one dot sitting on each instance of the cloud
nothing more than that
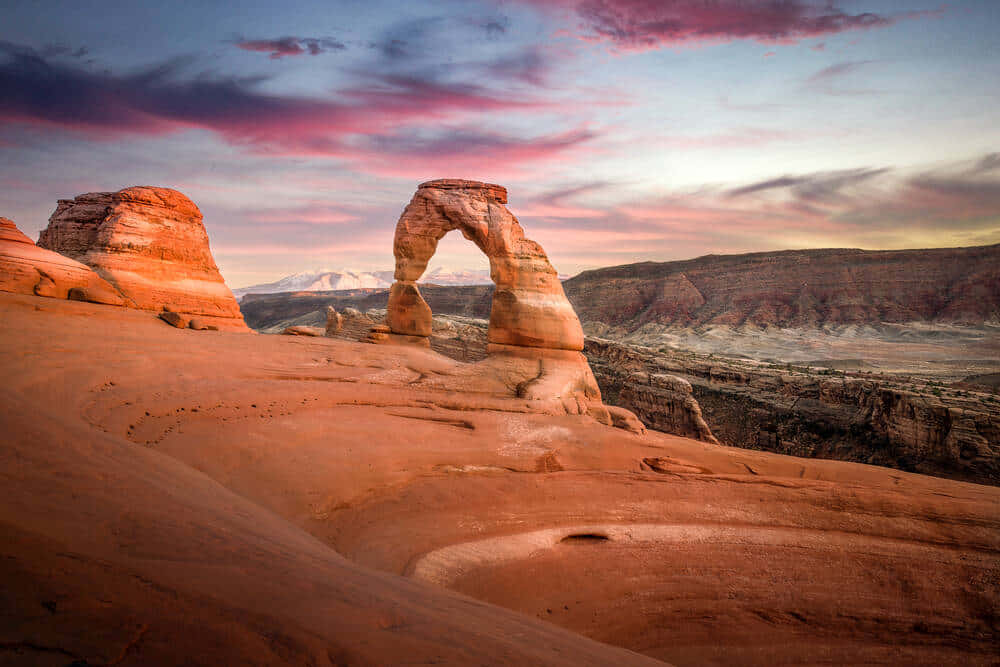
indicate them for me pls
(951, 205)
(164, 99)
(640, 25)
(468, 151)
(291, 46)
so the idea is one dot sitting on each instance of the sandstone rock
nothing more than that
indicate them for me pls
(408, 313)
(10, 232)
(198, 324)
(622, 418)
(529, 306)
(151, 244)
(334, 322)
(27, 269)
(660, 401)
(314, 332)
(96, 294)
(174, 319)
(796, 288)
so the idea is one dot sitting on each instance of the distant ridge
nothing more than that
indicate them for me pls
(788, 288)
(802, 288)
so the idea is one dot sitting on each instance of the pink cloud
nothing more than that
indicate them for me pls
(291, 46)
(640, 25)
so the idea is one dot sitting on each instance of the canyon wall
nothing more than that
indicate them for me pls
(819, 413)
(801, 288)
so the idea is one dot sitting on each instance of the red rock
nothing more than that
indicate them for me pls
(796, 288)
(27, 269)
(313, 332)
(174, 319)
(198, 324)
(529, 306)
(95, 294)
(534, 336)
(151, 244)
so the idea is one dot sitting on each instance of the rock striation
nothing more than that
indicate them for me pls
(151, 244)
(796, 288)
(27, 269)
(807, 412)
(535, 338)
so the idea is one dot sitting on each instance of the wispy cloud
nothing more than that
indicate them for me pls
(640, 25)
(165, 99)
(282, 47)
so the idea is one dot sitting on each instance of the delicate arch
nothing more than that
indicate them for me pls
(529, 307)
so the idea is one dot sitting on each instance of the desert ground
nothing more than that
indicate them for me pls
(212, 497)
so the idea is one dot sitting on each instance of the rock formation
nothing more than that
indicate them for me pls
(334, 322)
(27, 269)
(529, 307)
(150, 244)
(799, 288)
(800, 411)
(535, 337)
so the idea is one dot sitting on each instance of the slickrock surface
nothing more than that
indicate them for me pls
(796, 288)
(151, 244)
(27, 269)
(174, 496)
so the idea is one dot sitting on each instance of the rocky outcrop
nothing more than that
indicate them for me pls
(803, 288)
(334, 322)
(810, 412)
(27, 269)
(535, 337)
(151, 244)
(661, 401)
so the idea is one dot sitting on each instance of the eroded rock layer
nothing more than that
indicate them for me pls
(151, 244)
(27, 269)
(797, 288)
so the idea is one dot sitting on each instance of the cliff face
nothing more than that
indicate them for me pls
(804, 288)
(819, 414)
(662, 402)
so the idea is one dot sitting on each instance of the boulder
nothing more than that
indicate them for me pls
(151, 244)
(314, 332)
(27, 269)
(198, 324)
(174, 319)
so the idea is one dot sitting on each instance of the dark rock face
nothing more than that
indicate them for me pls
(813, 413)
(796, 288)
(662, 402)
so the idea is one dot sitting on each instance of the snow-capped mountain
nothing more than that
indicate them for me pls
(443, 276)
(326, 279)
(320, 281)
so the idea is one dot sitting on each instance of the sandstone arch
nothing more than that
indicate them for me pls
(529, 308)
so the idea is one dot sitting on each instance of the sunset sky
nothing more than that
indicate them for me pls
(624, 130)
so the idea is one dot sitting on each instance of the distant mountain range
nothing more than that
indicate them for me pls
(792, 288)
(326, 280)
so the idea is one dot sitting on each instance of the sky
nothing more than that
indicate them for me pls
(624, 130)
